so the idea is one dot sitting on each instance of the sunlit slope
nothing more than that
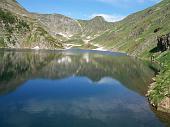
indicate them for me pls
(19, 29)
(137, 33)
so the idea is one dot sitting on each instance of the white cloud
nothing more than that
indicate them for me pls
(108, 17)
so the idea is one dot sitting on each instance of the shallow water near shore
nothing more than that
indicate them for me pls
(75, 88)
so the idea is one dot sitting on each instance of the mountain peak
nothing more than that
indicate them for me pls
(98, 18)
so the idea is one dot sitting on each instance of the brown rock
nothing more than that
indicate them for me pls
(164, 105)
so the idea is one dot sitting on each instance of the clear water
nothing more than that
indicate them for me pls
(74, 88)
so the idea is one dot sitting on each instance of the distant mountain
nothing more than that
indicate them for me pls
(22, 29)
(58, 24)
(95, 26)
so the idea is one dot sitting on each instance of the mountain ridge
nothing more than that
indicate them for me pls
(110, 35)
(59, 28)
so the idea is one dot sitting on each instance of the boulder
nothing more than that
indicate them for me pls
(164, 105)
(163, 42)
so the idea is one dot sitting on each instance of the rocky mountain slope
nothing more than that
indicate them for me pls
(58, 24)
(71, 30)
(13, 6)
(19, 29)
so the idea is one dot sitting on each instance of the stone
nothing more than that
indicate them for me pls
(163, 42)
(164, 105)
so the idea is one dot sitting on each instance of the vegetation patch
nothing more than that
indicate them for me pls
(2, 43)
(161, 86)
(22, 25)
(7, 17)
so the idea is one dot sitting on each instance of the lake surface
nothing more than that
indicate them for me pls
(75, 88)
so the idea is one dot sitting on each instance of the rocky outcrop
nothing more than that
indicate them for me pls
(164, 105)
(155, 100)
(163, 42)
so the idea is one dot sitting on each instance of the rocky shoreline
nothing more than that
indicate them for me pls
(163, 105)
(159, 91)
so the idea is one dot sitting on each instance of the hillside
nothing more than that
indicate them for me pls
(135, 34)
(22, 29)
(13, 6)
(18, 29)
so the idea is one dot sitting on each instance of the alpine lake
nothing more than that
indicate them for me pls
(75, 88)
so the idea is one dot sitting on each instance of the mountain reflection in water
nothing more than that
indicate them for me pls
(74, 88)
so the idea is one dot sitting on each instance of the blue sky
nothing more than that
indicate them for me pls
(111, 10)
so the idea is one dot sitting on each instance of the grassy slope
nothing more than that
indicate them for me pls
(135, 34)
